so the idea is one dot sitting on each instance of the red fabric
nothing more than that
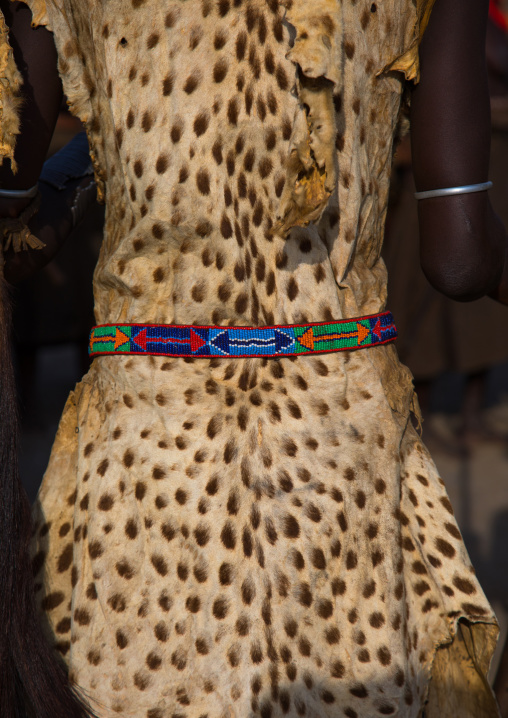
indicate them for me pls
(497, 16)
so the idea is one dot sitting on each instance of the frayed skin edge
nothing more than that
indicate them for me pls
(409, 62)
(10, 100)
(464, 691)
(312, 164)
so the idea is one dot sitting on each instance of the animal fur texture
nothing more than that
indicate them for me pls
(248, 537)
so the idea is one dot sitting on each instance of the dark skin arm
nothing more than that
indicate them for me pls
(463, 243)
(36, 58)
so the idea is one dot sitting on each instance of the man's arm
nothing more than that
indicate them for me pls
(35, 56)
(463, 243)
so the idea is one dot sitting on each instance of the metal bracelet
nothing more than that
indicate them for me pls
(19, 193)
(446, 191)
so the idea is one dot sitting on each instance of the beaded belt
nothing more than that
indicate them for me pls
(180, 340)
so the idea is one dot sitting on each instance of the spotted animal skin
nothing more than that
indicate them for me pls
(230, 538)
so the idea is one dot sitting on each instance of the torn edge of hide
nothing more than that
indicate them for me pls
(312, 163)
(409, 61)
(10, 98)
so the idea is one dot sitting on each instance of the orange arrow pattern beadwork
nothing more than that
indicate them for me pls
(215, 341)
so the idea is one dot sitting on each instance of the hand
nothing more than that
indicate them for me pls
(12, 208)
(52, 225)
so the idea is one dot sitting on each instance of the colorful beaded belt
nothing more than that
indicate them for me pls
(180, 340)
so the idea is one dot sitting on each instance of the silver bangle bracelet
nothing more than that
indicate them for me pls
(446, 191)
(19, 193)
